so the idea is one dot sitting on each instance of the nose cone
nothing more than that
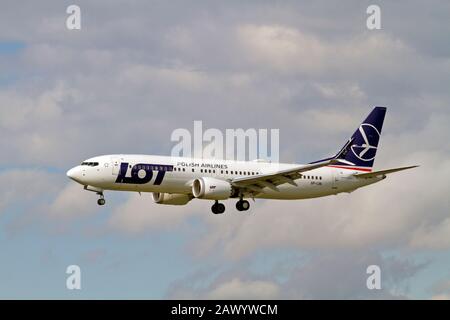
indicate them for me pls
(74, 174)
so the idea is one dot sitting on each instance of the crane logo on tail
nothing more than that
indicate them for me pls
(368, 139)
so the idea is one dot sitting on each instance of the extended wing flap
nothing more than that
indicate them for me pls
(381, 172)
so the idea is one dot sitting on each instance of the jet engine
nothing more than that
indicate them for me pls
(210, 188)
(171, 198)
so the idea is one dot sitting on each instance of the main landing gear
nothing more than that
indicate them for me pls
(101, 201)
(218, 208)
(242, 205)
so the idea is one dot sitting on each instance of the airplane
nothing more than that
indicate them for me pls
(178, 180)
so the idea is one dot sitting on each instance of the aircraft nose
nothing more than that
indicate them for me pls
(74, 174)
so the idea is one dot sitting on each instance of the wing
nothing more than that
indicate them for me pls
(381, 172)
(255, 184)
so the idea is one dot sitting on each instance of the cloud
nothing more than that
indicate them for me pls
(338, 274)
(34, 125)
(342, 274)
(289, 50)
(441, 297)
(441, 290)
(238, 289)
(23, 186)
(72, 202)
(140, 214)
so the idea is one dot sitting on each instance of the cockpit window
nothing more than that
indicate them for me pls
(91, 164)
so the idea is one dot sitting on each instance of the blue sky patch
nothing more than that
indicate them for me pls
(11, 47)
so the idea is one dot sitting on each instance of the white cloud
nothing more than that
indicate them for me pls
(441, 297)
(73, 202)
(244, 289)
(24, 186)
(139, 214)
(324, 274)
(289, 50)
(441, 290)
(179, 77)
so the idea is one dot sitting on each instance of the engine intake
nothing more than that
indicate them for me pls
(210, 188)
(171, 198)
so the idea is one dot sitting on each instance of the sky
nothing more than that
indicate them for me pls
(137, 71)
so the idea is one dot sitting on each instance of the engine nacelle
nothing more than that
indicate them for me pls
(210, 188)
(175, 199)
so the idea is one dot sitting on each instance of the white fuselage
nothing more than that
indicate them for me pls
(148, 173)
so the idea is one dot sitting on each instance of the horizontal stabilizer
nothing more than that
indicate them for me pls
(381, 172)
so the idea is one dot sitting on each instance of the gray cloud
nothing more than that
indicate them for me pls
(321, 275)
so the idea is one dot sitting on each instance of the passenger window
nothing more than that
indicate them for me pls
(184, 169)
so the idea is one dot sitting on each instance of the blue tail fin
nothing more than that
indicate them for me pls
(361, 149)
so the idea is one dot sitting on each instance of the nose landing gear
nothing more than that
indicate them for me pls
(101, 201)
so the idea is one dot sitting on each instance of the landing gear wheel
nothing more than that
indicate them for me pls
(101, 201)
(242, 205)
(218, 208)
